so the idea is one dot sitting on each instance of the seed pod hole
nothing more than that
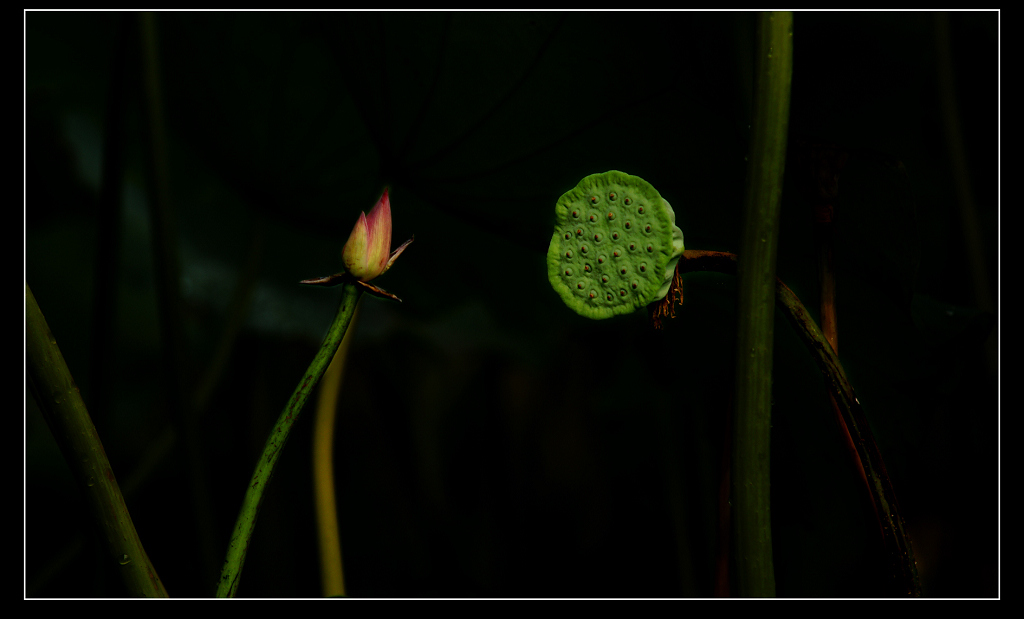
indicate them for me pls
(594, 221)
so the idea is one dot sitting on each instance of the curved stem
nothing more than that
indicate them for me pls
(246, 523)
(902, 566)
(55, 391)
(903, 576)
(332, 575)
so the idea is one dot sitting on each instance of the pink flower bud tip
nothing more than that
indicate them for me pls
(368, 248)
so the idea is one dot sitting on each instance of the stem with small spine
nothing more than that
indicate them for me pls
(227, 586)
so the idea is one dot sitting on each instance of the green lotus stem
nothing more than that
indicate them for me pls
(58, 397)
(246, 523)
(756, 306)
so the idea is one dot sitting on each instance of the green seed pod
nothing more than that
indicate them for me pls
(615, 246)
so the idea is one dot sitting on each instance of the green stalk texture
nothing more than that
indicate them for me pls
(756, 272)
(903, 578)
(55, 391)
(246, 523)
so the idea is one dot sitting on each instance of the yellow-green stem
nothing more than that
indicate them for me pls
(332, 576)
(58, 397)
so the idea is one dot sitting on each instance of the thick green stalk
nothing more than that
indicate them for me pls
(756, 312)
(55, 391)
(246, 523)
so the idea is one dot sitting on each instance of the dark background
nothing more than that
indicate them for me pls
(491, 442)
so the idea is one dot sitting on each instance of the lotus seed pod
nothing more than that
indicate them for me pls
(615, 246)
